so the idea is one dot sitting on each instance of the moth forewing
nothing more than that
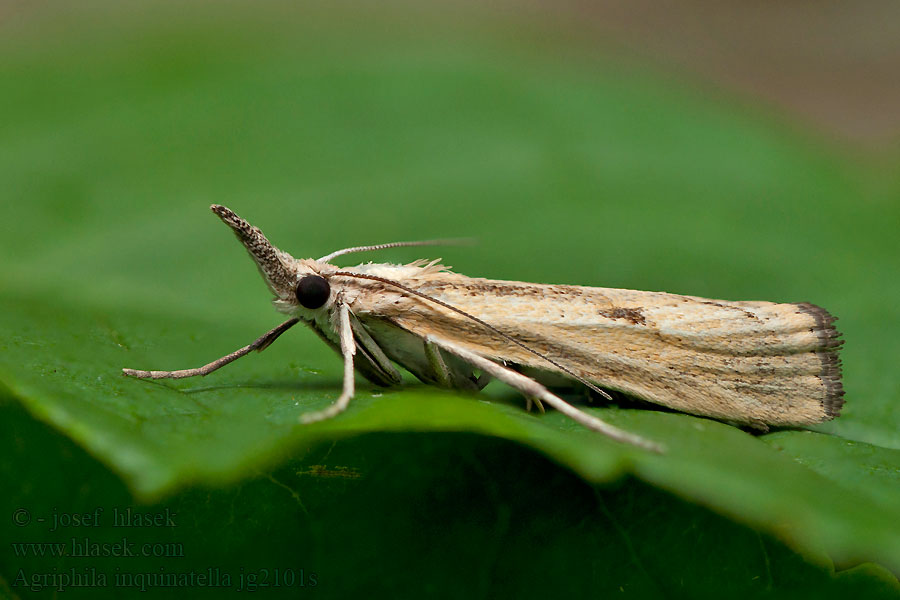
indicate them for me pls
(758, 363)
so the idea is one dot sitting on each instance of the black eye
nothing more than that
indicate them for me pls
(313, 291)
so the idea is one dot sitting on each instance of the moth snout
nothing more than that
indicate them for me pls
(269, 259)
(240, 226)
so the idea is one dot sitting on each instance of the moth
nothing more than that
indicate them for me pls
(749, 363)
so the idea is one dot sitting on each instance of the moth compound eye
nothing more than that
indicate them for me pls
(312, 291)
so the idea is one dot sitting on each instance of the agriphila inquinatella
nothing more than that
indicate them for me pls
(751, 363)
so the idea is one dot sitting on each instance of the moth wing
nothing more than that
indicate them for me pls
(746, 362)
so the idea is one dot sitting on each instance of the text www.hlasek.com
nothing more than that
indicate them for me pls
(83, 547)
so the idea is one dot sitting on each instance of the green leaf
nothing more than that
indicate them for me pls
(447, 515)
(327, 133)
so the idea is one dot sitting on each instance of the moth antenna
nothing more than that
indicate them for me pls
(484, 324)
(447, 242)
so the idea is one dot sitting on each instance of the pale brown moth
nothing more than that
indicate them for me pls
(751, 363)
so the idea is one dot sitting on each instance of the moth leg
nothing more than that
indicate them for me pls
(482, 380)
(529, 401)
(348, 349)
(437, 364)
(260, 344)
(373, 354)
(532, 388)
(455, 374)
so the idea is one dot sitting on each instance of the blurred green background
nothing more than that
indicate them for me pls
(753, 157)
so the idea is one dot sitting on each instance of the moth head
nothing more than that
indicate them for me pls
(296, 283)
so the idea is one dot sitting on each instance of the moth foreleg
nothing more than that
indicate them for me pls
(532, 389)
(260, 344)
(348, 349)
